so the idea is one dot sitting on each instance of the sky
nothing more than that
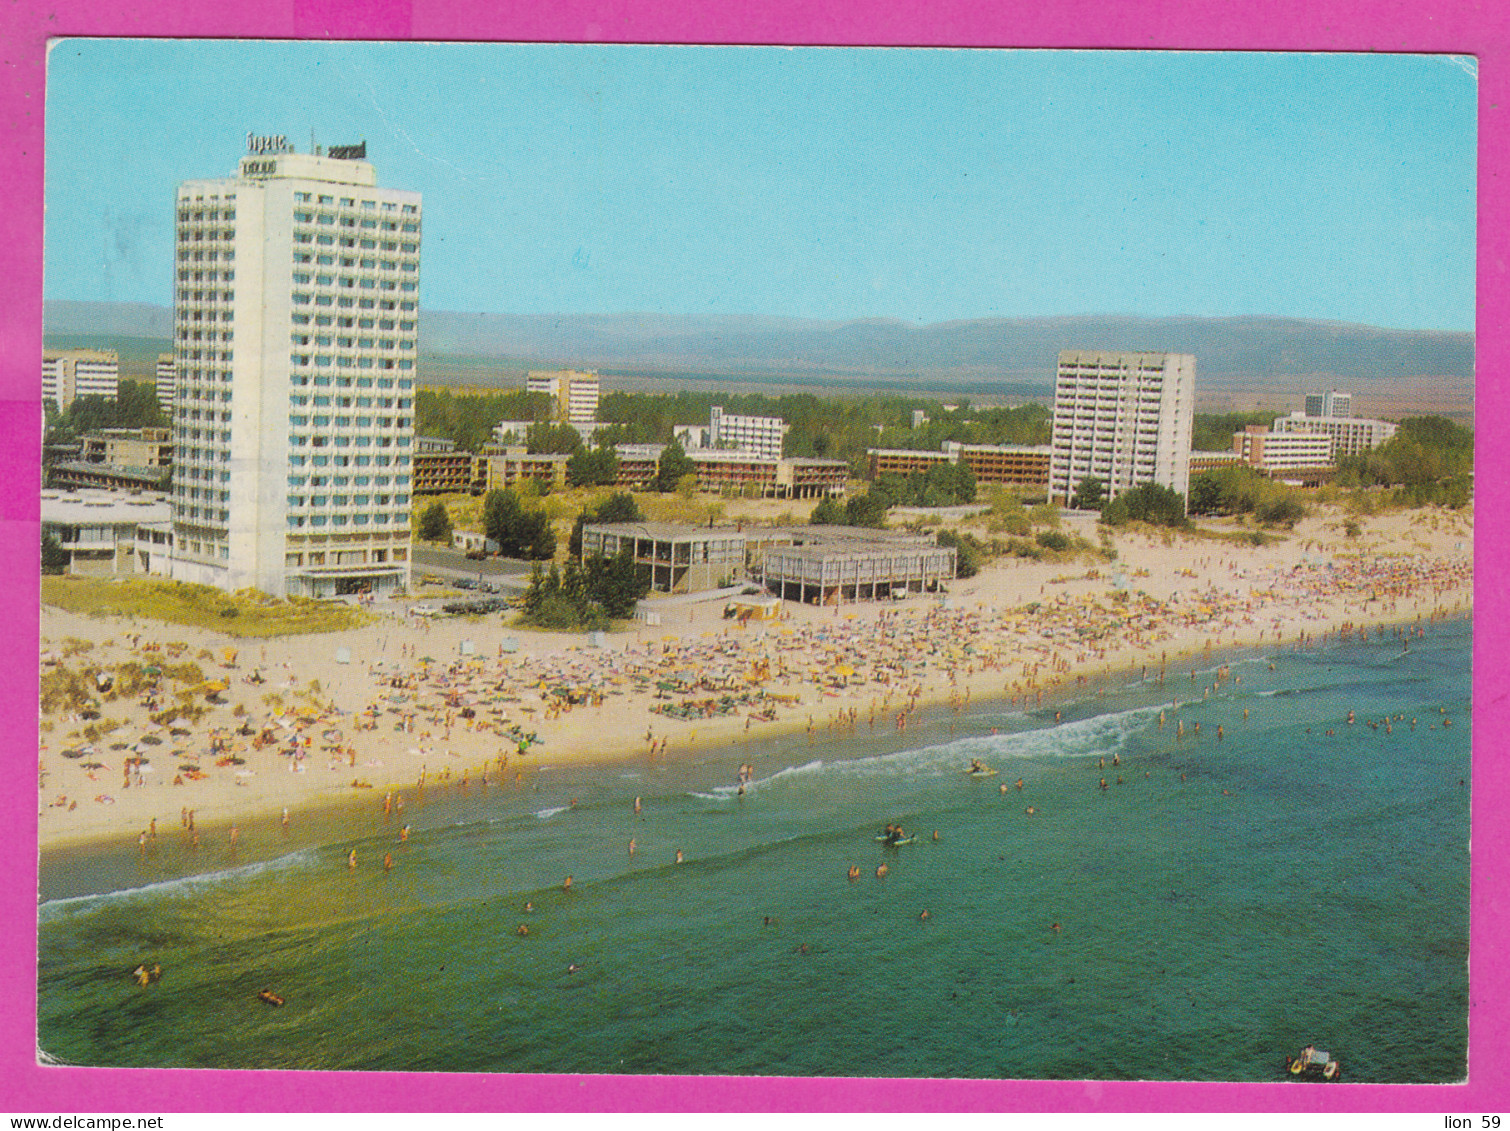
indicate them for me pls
(827, 183)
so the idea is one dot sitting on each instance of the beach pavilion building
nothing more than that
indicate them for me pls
(821, 565)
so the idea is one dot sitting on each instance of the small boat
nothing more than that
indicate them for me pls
(1313, 1064)
(269, 997)
(981, 772)
(890, 842)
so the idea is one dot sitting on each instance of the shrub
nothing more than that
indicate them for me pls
(1053, 540)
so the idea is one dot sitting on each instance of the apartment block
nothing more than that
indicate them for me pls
(1124, 418)
(70, 374)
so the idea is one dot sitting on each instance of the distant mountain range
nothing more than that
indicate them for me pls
(1254, 353)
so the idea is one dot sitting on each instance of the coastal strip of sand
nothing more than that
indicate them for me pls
(361, 717)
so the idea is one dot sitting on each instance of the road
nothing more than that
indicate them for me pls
(451, 564)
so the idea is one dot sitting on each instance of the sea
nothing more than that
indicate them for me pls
(1220, 903)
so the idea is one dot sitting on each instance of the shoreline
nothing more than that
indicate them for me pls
(995, 639)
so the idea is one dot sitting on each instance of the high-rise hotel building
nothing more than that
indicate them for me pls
(295, 346)
(1122, 418)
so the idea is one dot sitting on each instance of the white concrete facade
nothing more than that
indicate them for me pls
(295, 352)
(1330, 403)
(576, 393)
(70, 374)
(1122, 418)
(762, 435)
(1282, 451)
(167, 383)
(102, 531)
(1350, 434)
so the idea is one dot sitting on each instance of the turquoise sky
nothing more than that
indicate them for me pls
(823, 183)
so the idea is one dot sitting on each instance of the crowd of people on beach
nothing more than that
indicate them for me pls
(839, 668)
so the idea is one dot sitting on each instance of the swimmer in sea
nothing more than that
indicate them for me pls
(351, 860)
(1019, 785)
(854, 871)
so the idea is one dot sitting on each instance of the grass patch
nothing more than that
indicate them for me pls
(243, 613)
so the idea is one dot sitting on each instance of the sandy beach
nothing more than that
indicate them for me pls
(369, 716)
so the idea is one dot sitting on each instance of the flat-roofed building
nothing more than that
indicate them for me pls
(101, 530)
(296, 314)
(903, 461)
(745, 472)
(574, 392)
(68, 375)
(638, 464)
(1011, 465)
(504, 467)
(808, 477)
(1282, 451)
(129, 447)
(167, 383)
(440, 468)
(1210, 461)
(1351, 435)
(680, 559)
(832, 565)
(106, 476)
(1124, 418)
(1330, 403)
(761, 434)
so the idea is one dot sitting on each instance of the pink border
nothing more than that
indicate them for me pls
(1464, 27)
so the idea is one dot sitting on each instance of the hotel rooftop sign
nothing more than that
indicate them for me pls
(267, 143)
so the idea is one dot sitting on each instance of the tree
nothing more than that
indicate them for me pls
(592, 467)
(618, 507)
(616, 584)
(967, 552)
(435, 523)
(868, 509)
(674, 465)
(1284, 512)
(828, 512)
(548, 438)
(1089, 494)
(54, 557)
(539, 539)
(500, 521)
(1150, 502)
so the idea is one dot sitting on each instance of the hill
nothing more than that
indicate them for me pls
(1240, 359)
